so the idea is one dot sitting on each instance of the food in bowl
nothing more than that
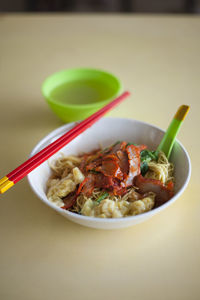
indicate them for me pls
(124, 179)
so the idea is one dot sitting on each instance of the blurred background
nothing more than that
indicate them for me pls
(118, 6)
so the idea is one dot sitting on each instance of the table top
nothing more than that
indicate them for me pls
(45, 256)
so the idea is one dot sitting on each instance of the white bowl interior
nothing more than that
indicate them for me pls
(105, 132)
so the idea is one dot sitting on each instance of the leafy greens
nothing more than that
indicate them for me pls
(145, 157)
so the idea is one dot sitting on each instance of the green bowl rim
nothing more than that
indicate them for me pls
(89, 105)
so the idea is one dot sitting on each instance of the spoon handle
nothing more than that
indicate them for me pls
(168, 139)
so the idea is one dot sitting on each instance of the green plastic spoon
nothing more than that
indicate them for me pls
(168, 139)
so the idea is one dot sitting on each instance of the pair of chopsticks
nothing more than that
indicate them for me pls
(20, 172)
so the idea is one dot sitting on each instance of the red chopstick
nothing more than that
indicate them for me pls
(17, 174)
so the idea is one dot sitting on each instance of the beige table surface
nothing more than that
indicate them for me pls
(44, 256)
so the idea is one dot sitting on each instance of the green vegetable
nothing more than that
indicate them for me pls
(103, 196)
(129, 144)
(144, 168)
(147, 155)
(106, 150)
(118, 142)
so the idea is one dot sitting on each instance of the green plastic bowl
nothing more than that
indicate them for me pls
(75, 94)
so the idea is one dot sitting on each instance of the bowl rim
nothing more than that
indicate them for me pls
(80, 106)
(150, 213)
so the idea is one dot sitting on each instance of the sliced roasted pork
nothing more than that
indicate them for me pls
(134, 164)
(145, 185)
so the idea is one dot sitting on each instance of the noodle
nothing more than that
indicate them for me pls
(161, 170)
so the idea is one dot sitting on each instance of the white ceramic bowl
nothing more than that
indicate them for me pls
(106, 131)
